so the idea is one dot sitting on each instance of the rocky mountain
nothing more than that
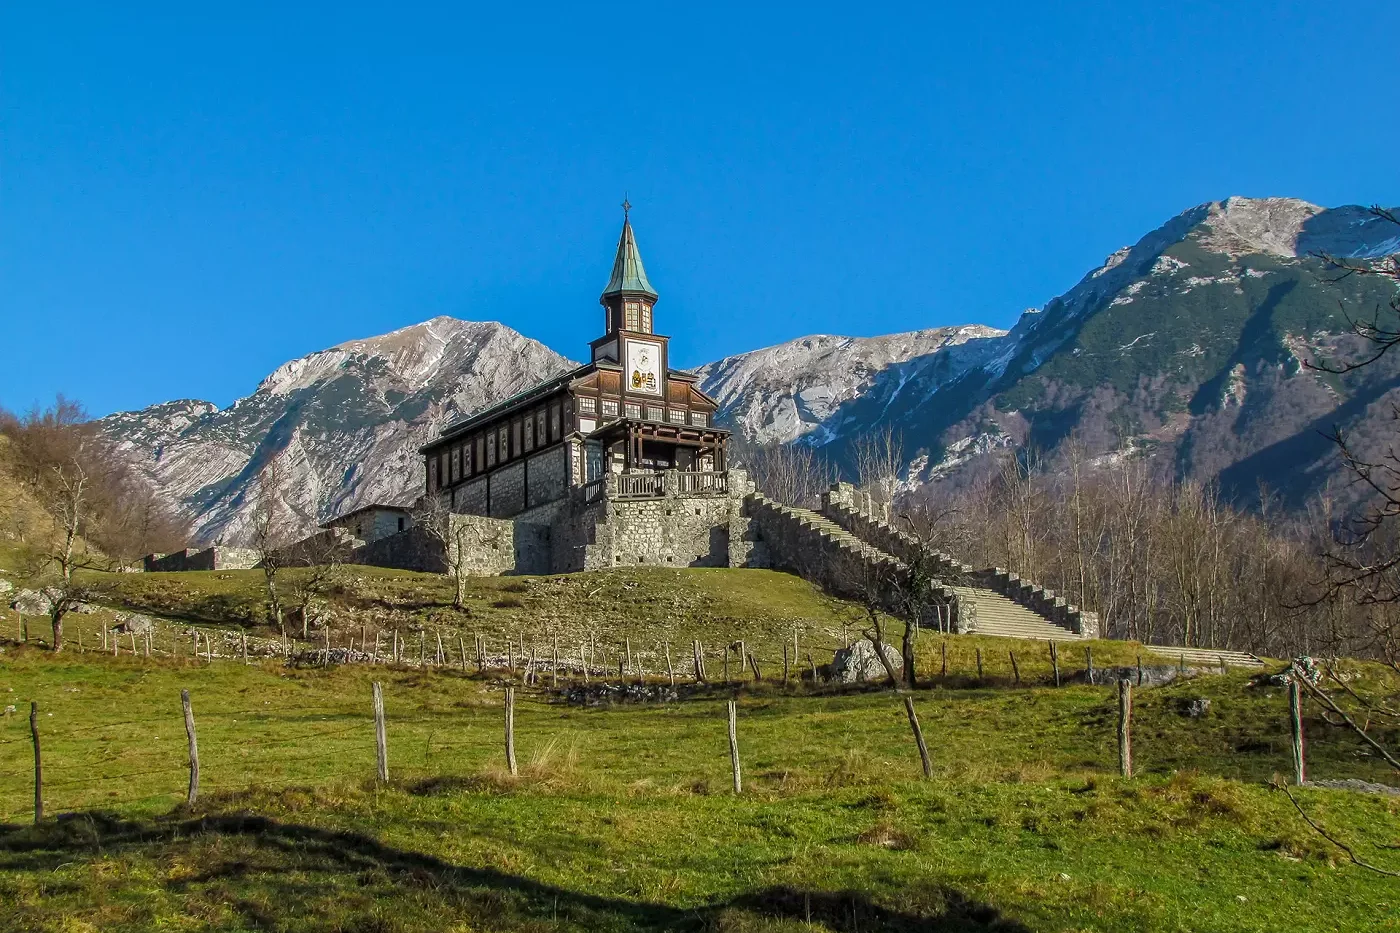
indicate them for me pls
(799, 389)
(1188, 345)
(344, 425)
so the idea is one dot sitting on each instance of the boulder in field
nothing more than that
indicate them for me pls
(860, 663)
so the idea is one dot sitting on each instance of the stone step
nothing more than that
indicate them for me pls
(1205, 657)
(998, 615)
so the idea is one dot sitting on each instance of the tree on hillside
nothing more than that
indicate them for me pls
(272, 532)
(320, 560)
(793, 474)
(1365, 556)
(61, 462)
(878, 457)
(461, 540)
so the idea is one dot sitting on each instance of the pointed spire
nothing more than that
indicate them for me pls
(627, 272)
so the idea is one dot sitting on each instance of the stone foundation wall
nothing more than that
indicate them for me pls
(211, 558)
(547, 476)
(413, 549)
(588, 528)
(507, 490)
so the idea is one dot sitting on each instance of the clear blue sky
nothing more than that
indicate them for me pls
(191, 195)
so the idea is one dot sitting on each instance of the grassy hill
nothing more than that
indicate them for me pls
(623, 817)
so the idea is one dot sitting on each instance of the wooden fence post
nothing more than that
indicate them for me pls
(918, 736)
(726, 663)
(670, 671)
(398, 647)
(695, 657)
(813, 665)
(244, 640)
(422, 650)
(753, 663)
(1015, 670)
(979, 663)
(1139, 670)
(1055, 662)
(462, 648)
(381, 739)
(1295, 715)
(193, 794)
(734, 746)
(945, 658)
(1125, 727)
(148, 642)
(510, 730)
(38, 762)
(441, 654)
(554, 671)
(1088, 664)
(133, 643)
(583, 659)
(785, 664)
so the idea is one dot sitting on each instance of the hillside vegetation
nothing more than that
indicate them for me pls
(623, 817)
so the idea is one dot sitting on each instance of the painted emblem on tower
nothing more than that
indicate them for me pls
(644, 366)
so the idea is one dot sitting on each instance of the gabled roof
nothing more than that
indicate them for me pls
(518, 399)
(627, 272)
(373, 507)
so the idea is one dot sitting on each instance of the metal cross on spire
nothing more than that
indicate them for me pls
(626, 207)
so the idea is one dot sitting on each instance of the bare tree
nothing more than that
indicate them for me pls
(272, 533)
(793, 474)
(319, 561)
(878, 458)
(463, 540)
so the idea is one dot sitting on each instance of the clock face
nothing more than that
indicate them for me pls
(644, 367)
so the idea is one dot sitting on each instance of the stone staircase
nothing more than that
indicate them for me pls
(815, 547)
(994, 614)
(1204, 657)
(998, 591)
(820, 549)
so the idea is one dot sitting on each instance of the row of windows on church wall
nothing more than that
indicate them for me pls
(501, 444)
(509, 441)
(588, 409)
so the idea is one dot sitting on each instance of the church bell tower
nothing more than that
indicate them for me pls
(630, 339)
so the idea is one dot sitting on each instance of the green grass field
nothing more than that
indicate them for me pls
(623, 817)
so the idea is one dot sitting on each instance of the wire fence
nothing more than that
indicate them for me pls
(135, 762)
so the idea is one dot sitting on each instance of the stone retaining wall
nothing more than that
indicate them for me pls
(211, 558)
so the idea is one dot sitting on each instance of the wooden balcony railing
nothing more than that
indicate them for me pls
(688, 483)
(630, 485)
(702, 482)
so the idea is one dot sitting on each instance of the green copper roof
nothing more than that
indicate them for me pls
(627, 272)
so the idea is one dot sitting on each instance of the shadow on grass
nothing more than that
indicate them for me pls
(286, 872)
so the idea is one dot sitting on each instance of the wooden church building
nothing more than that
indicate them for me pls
(624, 413)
